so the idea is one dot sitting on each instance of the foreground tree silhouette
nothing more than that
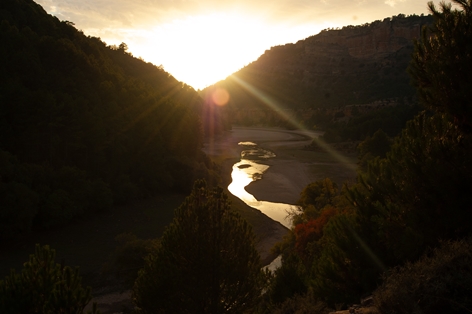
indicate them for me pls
(206, 263)
(44, 287)
(409, 198)
(442, 65)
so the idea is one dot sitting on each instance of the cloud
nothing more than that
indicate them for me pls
(105, 13)
(96, 14)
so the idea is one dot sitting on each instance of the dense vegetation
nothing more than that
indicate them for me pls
(84, 126)
(402, 231)
(359, 125)
(411, 194)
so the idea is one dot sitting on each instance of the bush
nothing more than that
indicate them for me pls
(288, 281)
(440, 282)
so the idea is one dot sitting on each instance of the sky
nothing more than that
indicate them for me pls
(201, 42)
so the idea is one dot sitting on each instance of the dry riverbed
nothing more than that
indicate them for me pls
(293, 168)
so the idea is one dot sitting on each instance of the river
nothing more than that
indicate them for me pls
(257, 150)
(250, 168)
(272, 167)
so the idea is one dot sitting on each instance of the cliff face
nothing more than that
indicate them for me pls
(377, 40)
(354, 65)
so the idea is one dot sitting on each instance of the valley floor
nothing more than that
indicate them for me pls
(293, 168)
(89, 243)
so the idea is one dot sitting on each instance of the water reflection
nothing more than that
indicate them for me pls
(250, 169)
(247, 144)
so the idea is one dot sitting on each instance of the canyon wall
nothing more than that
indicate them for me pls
(355, 65)
(375, 40)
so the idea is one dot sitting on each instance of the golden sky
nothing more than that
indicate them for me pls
(201, 42)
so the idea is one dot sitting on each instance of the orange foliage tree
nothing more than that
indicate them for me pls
(308, 232)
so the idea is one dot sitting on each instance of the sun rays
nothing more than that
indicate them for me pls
(276, 107)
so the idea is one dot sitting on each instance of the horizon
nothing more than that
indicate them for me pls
(183, 39)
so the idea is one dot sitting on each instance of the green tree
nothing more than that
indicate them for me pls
(376, 146)
(420, 192)
(314, 197)
(441, 67)
(206, 261)
(44, 287)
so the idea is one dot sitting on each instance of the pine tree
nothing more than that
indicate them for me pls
(441, 67)
(44, 287)
(206, 262)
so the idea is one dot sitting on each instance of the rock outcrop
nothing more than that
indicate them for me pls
(375, 40)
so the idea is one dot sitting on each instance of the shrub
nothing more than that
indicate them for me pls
(440, 282)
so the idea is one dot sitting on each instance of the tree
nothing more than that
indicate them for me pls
(314, 198)
(409, 198)
(441, 67)
(117, 123)
(44, 287)
(311, 231)
(420, 192)
(376, 146)
(206, 261)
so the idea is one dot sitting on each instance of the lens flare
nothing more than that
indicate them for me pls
(273, 105)
(220, 96)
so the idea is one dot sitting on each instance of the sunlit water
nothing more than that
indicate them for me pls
(252, 168)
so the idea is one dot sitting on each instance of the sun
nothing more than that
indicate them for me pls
(205, 48)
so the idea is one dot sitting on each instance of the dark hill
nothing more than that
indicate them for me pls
(83, 125)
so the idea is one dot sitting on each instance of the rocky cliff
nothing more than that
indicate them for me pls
(355, 65)
(376, 40)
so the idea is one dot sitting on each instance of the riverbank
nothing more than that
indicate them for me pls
(293, 168)
(290, 171)
(268, 233)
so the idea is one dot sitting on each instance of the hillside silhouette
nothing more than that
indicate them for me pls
(84, 125)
